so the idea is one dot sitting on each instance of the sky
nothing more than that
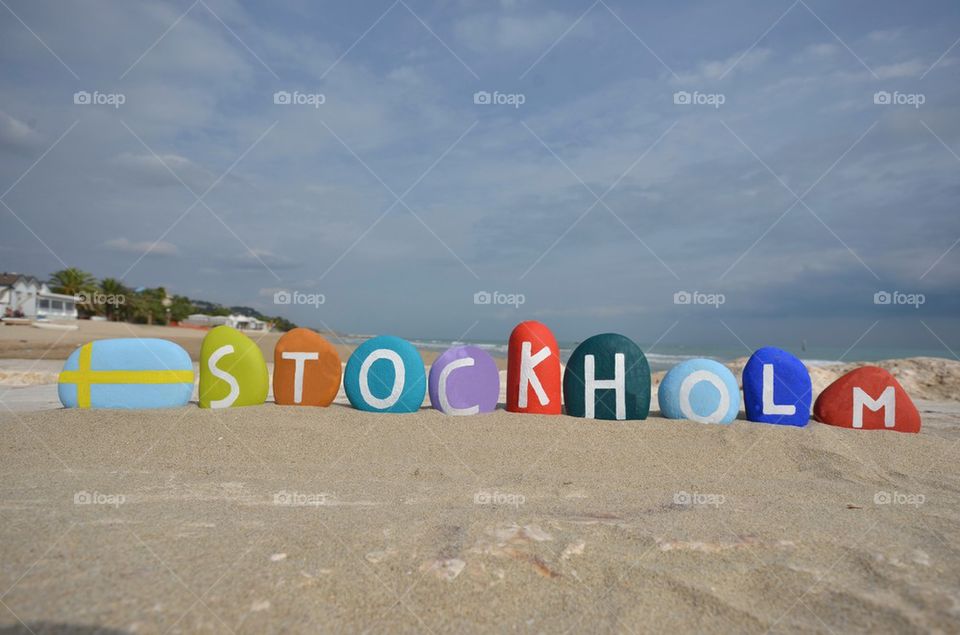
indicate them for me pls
(703, 173)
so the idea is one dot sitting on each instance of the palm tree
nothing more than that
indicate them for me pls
(72, 281)
(75, 282)
(117, 297)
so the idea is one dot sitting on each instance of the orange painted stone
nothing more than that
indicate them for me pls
(867, 398)
(306, 369)
(533, 370)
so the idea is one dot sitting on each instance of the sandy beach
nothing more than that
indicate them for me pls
(271, 519)
(267, 519)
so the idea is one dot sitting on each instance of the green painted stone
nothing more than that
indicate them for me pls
(232, 370)
(614, 358)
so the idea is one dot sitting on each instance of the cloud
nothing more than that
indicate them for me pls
(148, 248)
(823, 49)
(712, 70)
(498, 200)
(911, 69)
(155, 171)
(17, 136)
(512, 33)
(257, 259)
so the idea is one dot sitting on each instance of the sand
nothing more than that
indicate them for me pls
(427, 523)
(283, 519)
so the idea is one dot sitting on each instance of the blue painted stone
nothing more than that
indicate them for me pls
(470, 378)
(700, 390)
(127, 373)
(788, 386)
(598, 399)
(380, 359)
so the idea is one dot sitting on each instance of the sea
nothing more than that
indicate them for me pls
(666, 357)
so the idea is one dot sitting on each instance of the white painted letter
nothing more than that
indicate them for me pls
(217, 355)
(618, 383)
(398, 378)
(887, 401)
(299, 359)
(528, 374)
(686, 387)
(769, 407)
(442, 388)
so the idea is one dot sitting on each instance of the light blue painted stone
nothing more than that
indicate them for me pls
(700, 390)
(130, 354)
(381, 392)
(790, 385)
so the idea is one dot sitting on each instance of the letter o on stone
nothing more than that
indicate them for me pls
(385, 374)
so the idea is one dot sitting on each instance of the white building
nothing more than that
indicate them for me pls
(239, 322)
(25, 296)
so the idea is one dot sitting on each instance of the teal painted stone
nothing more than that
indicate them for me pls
(700, 390)
(607, 377)
(385, 374)
(127, 373)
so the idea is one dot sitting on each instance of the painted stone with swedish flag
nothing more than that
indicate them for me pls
(127, 373)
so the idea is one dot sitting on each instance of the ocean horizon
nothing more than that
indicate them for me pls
(664, 357)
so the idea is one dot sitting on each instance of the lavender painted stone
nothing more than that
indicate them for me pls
(464, 381)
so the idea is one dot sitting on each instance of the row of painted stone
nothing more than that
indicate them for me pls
(606, 377)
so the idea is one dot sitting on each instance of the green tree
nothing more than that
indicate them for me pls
(148, 306)
(117, 306)
(181, 308)
(73, 281)
(281, 324)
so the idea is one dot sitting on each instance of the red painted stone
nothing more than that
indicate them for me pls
(532, 346)
(848, 401)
